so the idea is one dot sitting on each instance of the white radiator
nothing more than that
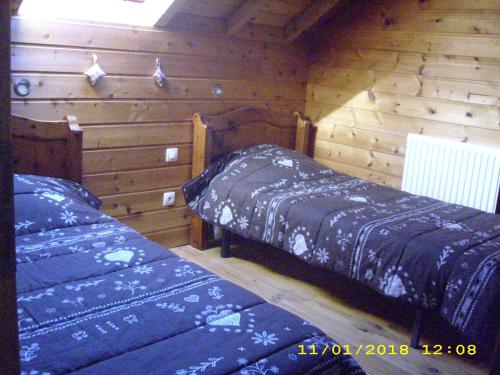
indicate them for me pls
(452, 171)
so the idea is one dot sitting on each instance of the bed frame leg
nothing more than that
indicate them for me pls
(417, 328)
(225, 251)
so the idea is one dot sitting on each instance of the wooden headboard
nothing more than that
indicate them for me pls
(217, 135)
(47, 148)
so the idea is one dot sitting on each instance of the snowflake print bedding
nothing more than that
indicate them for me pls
(96, 297)
(416, 249)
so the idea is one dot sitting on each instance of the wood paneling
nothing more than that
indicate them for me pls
(133, 181)
(124, 135)
(159, 220)
(123, 159)
(128, 121)
(410, 66)
(171, 237)
(136, 203)
(71, 60)
(50, 86)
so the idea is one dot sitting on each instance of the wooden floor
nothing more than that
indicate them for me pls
(336, 306)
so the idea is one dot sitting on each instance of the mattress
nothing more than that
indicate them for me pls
(96, 297)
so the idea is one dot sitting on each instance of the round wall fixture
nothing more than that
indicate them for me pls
(22, 87)
(217, 90)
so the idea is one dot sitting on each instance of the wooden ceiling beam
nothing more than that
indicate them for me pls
(308, 18)
(245, 14)
(170, 13)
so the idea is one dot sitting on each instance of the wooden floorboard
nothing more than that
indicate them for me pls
(348, 313)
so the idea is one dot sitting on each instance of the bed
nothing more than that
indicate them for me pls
(438, 256)
(96, 297)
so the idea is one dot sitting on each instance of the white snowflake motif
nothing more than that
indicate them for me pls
(243, 222)
(143, 270)
(343, 240)
(68, 217)
(322, 256)
(264, 338)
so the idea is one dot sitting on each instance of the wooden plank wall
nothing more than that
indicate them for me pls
(392, 67)
(128, 121)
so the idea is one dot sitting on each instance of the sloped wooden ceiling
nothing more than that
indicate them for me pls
(271, 20)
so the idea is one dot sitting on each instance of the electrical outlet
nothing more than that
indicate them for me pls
(171, 154)
(168, 198)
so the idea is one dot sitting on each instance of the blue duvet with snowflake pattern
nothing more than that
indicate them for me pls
(96, 297)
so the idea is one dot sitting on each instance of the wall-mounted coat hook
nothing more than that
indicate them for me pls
(159, 77)
(95, 73)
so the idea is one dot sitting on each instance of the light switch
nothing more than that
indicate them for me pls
(172, 154)
(168, 198)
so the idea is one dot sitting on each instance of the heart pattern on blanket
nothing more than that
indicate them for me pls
(455, 226)
(119, 256)
(226, 216)
(300, 246)
(358, 199)
(395, 287)
(193, 298)
(53, 196)
(286, 162)
(224, 318)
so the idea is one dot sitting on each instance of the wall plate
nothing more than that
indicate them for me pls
(168, 198)
(171, 154)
